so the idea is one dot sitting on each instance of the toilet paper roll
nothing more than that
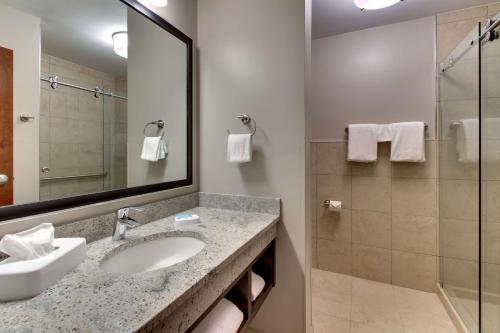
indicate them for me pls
(335, 206)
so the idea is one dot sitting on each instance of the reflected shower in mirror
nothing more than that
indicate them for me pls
(99, 100)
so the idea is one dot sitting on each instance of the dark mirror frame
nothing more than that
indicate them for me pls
(23, 210)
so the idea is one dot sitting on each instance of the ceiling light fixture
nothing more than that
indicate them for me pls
(157, 3)
(375, 4)
(120, 43)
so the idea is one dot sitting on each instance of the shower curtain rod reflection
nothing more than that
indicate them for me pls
(54, 83)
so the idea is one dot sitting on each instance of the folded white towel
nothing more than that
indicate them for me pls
(258, 285)
(384, 132)
(468, 141)
(239, 148)
(224, 318)
(408, 142)
(30, 244)
(362, 143)
(154, 149)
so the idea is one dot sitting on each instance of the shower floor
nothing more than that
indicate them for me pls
(345, 304)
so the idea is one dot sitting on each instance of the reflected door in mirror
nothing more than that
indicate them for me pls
(6, 109)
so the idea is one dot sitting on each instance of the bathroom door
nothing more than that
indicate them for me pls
(6, 126)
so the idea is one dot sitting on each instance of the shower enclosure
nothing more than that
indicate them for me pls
(83, 130)
(469, 184)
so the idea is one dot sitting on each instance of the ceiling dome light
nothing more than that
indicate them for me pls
(120, 43)
(375, 4)
(157, 3)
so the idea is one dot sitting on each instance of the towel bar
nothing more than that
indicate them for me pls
(246, 120)
(160, 123)
(347, 128)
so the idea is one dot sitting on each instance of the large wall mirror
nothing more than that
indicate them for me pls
(95, 104)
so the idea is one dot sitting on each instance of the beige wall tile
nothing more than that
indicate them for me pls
(492, 246)
(334, 188)
(492, 78)
(314, 253)
(380, 168)
(334, 256)
(493, 9)
(462, 14)
(314, 148)
(459, 239)
(371, 263)
(414, 233)
(427, 170)
(450, 167)
(313, 207)
(371, 228)
(491, 281)
(492, 197)
(459, 272)
(416, 271)
(44, 102)
(371, 193)
(462, 81)
(44, 129)
(459, 199)
(331, 159)
(334, 225)
(449, 35)
(414, 197)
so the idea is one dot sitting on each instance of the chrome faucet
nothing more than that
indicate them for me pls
(124, 222)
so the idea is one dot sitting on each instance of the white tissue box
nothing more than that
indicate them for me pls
(28, 278)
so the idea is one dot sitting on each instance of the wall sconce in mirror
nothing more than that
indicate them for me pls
(120, 43)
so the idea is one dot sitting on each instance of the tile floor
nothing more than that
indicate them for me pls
(345, 304)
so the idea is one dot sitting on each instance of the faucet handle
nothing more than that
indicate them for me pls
(123, 213)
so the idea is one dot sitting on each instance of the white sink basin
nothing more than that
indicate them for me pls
(153, 255)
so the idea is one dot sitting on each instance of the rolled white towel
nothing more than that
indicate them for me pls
(258, 285)
(224, 318)
(29, 244)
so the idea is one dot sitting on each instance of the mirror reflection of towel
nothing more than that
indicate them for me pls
(154, 149)
(468, 141)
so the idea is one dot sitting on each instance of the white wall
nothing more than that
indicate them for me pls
(183, 15)
(252, 56)
(156, 90)
(379, 75)
(20, 32)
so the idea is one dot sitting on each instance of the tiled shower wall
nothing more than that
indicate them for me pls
(387, 231)
(72, 129)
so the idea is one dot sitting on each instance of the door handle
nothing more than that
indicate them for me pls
(4, 179)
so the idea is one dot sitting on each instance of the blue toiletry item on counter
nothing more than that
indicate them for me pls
(186, 219)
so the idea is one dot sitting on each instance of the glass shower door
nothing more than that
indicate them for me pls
(459, 179)
(490, 148)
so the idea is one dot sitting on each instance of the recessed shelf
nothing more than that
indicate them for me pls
(240, 292)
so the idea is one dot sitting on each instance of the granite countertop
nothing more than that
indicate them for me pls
(90, 300)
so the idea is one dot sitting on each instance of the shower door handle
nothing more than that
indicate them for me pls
(4, 179)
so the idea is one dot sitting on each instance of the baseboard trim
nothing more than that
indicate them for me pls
(455, 317)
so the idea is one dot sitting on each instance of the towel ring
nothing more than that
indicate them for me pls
(246, 120)
(159, 123)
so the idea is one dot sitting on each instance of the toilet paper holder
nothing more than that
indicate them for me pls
(326, 204)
